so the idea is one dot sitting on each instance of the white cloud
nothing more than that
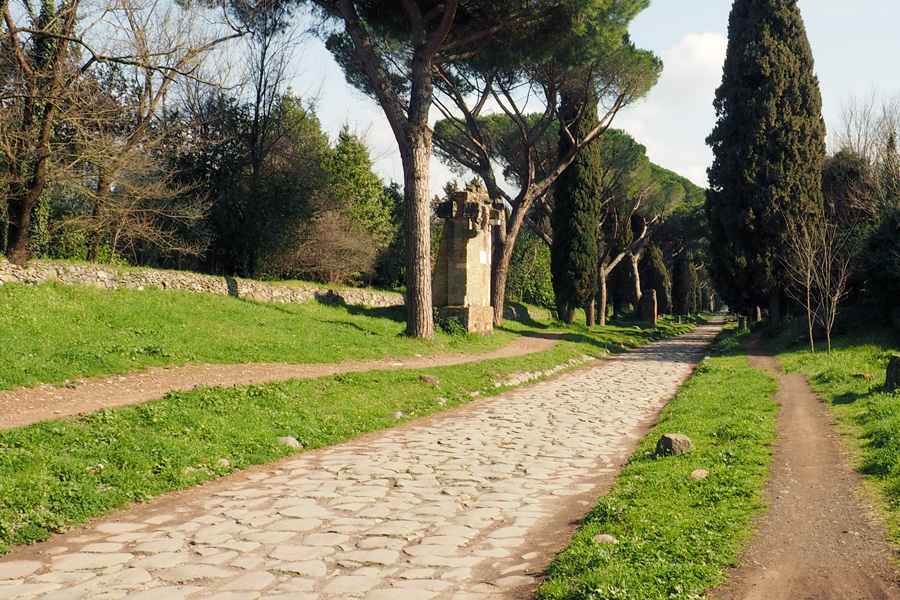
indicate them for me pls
(675, 118)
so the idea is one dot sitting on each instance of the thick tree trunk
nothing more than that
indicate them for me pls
(503, 251)
(19, 215)
(499, 276)
(590, 313)
(416, 161)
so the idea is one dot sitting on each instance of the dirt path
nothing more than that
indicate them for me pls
(819, 539)
(23, 406)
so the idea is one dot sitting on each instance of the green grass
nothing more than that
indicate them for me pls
(863, 409)
(59, 473)
(52, 333)
(676, 535)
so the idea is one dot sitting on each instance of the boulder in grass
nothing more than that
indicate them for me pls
(674, 444)
(604, 538)
(290, 441)
(699, 474)
(430, 380)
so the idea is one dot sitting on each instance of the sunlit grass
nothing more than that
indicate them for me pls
(676, 535)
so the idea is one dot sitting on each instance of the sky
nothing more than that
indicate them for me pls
(854, 42)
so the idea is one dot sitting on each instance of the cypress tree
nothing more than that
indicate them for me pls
(686, 295)
(769, 148)
(573, 256)
(655, 276)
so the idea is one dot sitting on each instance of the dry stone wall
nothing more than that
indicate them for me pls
(107, 277)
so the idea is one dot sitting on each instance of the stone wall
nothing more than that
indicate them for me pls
(106, 277)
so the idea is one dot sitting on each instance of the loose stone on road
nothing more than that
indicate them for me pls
(468, 504)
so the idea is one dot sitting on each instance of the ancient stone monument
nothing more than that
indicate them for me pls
(648, 307)
(461, 288)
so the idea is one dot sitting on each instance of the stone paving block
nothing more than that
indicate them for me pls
(164, 593)
(400, 594)
(309, 568)
(66, 594)
(81, 561)
(18, 568)
(26, 590)
(163, 560)
(258, 580)
(350, 584)
(186, 573)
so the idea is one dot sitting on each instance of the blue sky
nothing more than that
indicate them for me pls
(855, 45)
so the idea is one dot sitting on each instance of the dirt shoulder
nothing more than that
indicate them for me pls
(24, 406)
(819, 539)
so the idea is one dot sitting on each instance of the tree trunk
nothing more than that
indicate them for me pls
(635, 259)
(103, 185)
(774, 310)
(590, 313)
(417, 221)
(499, 277)
(19, 214)
(602, 297)
(500, 270)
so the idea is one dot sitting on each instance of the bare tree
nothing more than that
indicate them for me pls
(819, 267)
(56, 51)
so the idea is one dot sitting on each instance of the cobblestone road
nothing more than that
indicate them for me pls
(465, 505)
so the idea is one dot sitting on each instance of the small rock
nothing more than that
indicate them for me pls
(430, 380)
(699, 474)
(605, 538)
(224, 462)
(396, 415)
(674, 444)
(442, 401)
(290, 441)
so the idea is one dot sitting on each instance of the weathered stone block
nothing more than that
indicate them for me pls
(892, 379)
(674, 444)
(648, 306)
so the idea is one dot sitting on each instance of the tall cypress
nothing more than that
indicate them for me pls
(655, 276)
(769, 148)
(576, 197)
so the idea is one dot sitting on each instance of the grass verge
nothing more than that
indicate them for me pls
(52, 333)
(60, 473)
(851, 381)
(675, 534)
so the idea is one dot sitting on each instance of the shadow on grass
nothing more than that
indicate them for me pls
(850, 397)
(392, 313)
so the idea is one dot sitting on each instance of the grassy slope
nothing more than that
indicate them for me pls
(59, 473)
(676, 535)
(52, 333)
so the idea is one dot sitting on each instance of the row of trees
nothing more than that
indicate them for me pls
(787, 221)
(637, 227)
(126, 132)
